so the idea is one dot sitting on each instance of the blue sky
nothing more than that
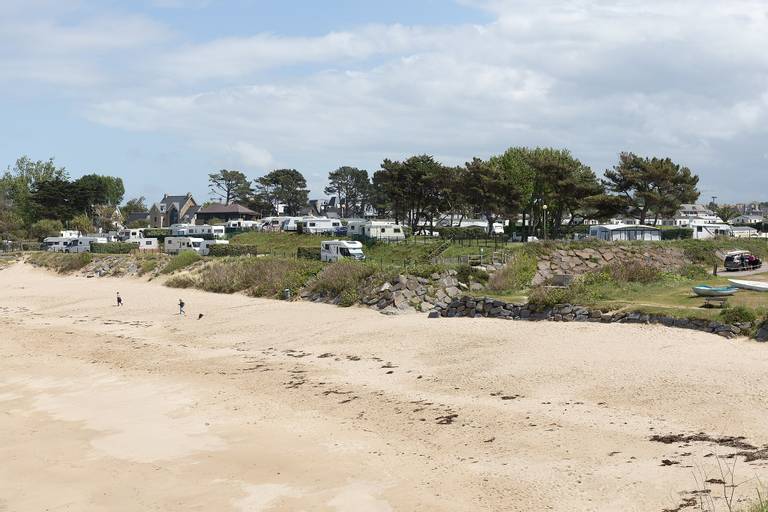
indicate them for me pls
(162, 92)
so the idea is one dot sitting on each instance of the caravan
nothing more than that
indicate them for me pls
(271, 223)
(334, 250)
(129, 235)
(177, 244)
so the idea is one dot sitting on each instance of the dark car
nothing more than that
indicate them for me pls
(742, 260)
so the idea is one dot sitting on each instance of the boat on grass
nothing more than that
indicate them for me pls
(704, 290)
(758, 286)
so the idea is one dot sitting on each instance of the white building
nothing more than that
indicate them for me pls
(748, 219)
(703, 230)
(744, 232)
(623, 232)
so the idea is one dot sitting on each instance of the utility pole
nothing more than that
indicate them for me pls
(714, 200)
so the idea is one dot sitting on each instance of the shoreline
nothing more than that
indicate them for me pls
(274, 405)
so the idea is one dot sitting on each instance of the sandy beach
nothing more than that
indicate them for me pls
(273, 406)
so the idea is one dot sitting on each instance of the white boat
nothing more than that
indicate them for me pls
(758, 286)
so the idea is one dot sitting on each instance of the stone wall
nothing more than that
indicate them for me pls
(576, 262)
(467, 306)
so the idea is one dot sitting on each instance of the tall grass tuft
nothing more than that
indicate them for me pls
(515, 275)
(257, 276)
(61, 262)
(342, 279)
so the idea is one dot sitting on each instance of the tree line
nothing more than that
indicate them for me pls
(536, 183)
(39, 198)
(540, 184)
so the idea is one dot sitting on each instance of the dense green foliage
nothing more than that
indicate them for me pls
(342, 279)
(180, 261)
(308, 253)
(676, 234)
(737, 314)
(112, 248)
(233, 250)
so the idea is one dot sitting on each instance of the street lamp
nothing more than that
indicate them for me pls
(544, 207)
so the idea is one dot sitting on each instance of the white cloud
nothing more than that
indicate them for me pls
(688, 79)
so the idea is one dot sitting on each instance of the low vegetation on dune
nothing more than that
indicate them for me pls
(256, 276)
(342, 279)
(60, 262)
(515, 275)
(182, 260)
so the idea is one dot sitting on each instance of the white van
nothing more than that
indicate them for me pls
(57, 243)
(177, 244)
(205, 247)
(83, 243)
(334, 250)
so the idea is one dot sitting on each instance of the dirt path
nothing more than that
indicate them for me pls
(273, 406)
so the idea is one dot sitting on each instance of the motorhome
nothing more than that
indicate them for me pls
(290, 223)
(57, 243)
(193, 230)
(180, 229)
(83, 243)
(127, 235)
(146, 244)
(271, 223)
(205, 247)
(384, 231)
(242, 224)
(334, 250)
(177, 244)
(320, 225)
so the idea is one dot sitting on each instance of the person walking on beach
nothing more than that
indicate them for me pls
(181, 308)
(119, 300)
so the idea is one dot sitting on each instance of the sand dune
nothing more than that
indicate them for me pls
(273, 406)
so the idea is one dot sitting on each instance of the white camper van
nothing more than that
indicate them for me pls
(321, 225)
(177, 244)
(205, 247)
(334, 250)
(129, 235)
(57, 243)
(83, 243)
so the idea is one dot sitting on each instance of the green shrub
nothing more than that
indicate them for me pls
(113, 248)
(258, 276)
(516, 274)
(693, 271)
(159, 233)
(466, 274)
(181, 281)
(342, 279)
(551, 296)
(61, 262)
(181, 260)
(463, 233)
(676, 234)
(232, 250)
(308, 253)
(45, 228)
(737, 314)
(635, 272)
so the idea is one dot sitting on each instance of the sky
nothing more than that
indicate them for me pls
(164, 92)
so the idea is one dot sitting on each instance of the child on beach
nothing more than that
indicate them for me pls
(181, 307)
(119, 300)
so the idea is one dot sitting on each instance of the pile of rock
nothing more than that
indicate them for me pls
(405, 293)
(468, 306)
(580, 261)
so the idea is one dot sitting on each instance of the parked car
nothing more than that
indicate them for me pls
(741, 260)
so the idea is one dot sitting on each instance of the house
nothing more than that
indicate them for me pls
(749, 218)
(744, 232)
(224, 213)
(704, 230)
(173, 210)
(615, 232)
(690, 214)
(137, 218)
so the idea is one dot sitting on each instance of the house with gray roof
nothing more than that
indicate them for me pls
(173, 210)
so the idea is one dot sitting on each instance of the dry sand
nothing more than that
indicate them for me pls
(272, 406)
